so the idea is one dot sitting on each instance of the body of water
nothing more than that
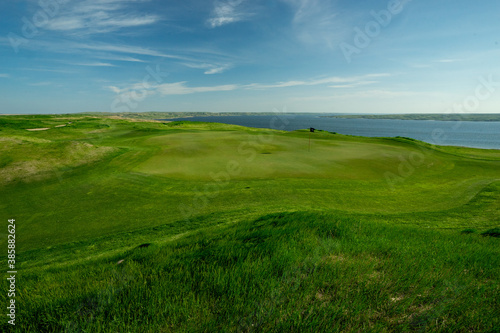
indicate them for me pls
(452, 133)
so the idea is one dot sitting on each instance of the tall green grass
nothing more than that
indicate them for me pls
(301, 271)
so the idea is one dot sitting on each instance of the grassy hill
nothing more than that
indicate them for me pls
(188, 226)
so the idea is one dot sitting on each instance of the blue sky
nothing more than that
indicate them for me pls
(343, 56)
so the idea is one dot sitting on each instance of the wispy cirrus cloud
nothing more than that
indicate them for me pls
(175, 88)
(182, 88)
(97, 17)
(119, 58)
(209, 60)
(337, 81)
(194, 59)
(127, 49)
(317, 21)
(4, 75)
(95, 64)
(216, 70)
(353, 84)
(448, 60)
(114, 89)
(432, 63)
(209, 68)
(225, 12)
(50, 70)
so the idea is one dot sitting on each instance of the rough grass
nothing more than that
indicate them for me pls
(19, 165)
(299, 271)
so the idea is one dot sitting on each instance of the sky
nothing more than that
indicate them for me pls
(333, 56)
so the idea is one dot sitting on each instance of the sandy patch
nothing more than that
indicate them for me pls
(29, 139)
(11, 139)
(37, 129)
(335, 258)
(75, 154)
(397, 298)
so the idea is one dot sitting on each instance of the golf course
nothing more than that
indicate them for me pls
(136, 225)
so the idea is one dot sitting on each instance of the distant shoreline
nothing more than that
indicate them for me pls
(488, 117)
(430, 116)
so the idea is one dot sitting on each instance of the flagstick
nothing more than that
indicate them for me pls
(309, 141)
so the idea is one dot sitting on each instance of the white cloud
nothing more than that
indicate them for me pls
(353, 85)
(47, 70)
(216, 70)
(226, 12)
(210, 60)
(276, 85)
(448, 60)
(129, 21)
(119, 58)
(175, 88)
(209, 68)
(114, 89)
(124, 49)
(65, 24)
(4, 75)
(180, 88)
(96, 17)
(317, 22)
(347, 81)
(96, 64)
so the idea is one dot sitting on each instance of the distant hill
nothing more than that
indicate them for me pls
(170, 115)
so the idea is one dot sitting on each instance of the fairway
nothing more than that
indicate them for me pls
(178, 171)
(214, 199)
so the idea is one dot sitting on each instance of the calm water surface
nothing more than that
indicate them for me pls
(452, 133)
